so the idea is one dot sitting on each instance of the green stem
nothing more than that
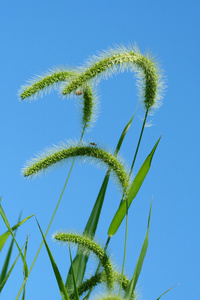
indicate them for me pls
(98, 267)
(82, 134)
(125, 245)
(126, 233)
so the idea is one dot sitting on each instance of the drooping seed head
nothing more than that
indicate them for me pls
(119, 60)
(64, 152)
(88, 103)
(98, 278)
(43, 84)
(86, 244)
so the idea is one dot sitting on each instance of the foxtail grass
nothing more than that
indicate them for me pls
(67, 151)
(99, 278)
(79, 83)
(117, 60)
(87, 244)
(42, 84)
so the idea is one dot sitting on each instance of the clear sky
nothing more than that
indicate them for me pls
(37, 35)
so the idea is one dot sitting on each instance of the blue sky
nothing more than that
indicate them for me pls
(37, 35)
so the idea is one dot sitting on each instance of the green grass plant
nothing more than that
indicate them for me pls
(80, 260)
(4, 275)
(89, 245)
(60, 282)
(80, 83)
(74, 279)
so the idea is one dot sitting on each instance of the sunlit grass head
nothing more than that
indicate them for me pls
(83, 151)
(79, 83)
(44, 83)
(51, 80)
(120, 59)
(87, 244)
(88, 105)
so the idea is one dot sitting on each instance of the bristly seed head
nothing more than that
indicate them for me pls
(121, 59)
(84, 151)
(88, 244)
(45, 83)
(89, 106)
(89, 101)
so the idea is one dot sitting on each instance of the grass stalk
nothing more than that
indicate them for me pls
(126, 230)
(125, 245)
(54, 213)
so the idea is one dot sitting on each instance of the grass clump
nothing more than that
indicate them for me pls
(79, 82)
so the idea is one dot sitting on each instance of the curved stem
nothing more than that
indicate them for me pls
(61, 195)
(82, 134)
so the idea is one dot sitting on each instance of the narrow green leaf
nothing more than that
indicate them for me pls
(6, 262)
(132, 192)
(4, 236)
(80, 261)
(138, 268)
(9, 272)
(124, 132)
(75, 285)
(10, 230)
(167, 291)
(8, 256)
(25, 268)
(55, 268)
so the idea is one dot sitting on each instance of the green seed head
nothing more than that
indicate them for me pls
(88, 102)
(56, 155)
(87, 244)
(121, 59)
(43, 84)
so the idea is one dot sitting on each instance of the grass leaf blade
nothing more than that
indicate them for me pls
(9, 272)
(55, 269)
(75, 285)
(167, 291)
(80, 261)
(25, 268)
(10, 230)
(8, 256)
(132, 192)
(6, 262)
(124, 132)
(5, 235)
(140, 261)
